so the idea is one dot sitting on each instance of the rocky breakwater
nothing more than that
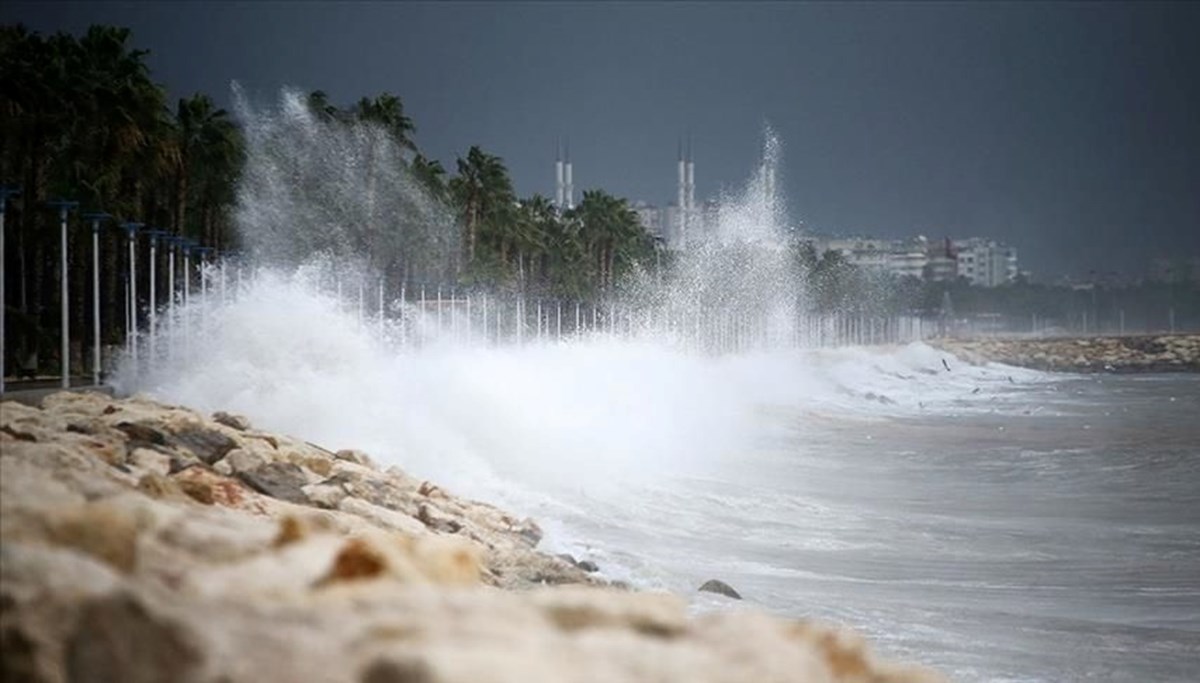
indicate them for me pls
(1157, 353)
(143, 542)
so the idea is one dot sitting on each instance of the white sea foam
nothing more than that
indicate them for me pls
(581, 415)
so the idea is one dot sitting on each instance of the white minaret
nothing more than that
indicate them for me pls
(569, 182)
(681, 200)
(691, 178)
(558, 176)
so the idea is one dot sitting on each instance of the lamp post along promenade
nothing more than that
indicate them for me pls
(96, 218)
(64, 207)
(6, 191)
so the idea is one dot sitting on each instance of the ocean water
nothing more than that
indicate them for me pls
(998, 523)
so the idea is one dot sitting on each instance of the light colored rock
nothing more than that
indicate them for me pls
(189, 575)
(147, 460)
(242, 460)
(355, 456)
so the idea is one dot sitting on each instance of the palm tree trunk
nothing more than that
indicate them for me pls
(181, 187)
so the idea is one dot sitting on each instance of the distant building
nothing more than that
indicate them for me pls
(982, 262)
(985, 262)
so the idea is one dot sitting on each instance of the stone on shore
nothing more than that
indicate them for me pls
(1128, 354)
(145, 542)
(719, 587)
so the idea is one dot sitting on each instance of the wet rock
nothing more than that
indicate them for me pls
(389, 671)
(240, 460)
(209, 445)
(229, 592)
(230, 420)
(142, 434)
(327, 494)
(432, 518)
(150, 461)
(719, 587)
(281, 480)
(210, 488)
(119, 639)
(585, 565)
(18, 434)
(318, 465)
(160, 487)
(355, 456)
(528, 531)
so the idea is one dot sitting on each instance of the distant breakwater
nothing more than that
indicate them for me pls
(1123, 354)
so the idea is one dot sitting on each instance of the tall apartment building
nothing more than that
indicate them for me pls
(985, 262)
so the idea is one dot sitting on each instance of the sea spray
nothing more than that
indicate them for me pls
(307, 344)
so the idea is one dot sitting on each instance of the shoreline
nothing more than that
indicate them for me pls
(146, 542)
(1128, 354)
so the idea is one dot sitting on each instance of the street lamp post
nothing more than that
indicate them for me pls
(96, 218)
(6, 191)
(187, 246)
(202, 258)
(64, 207)
(154, 235)
(131, 229)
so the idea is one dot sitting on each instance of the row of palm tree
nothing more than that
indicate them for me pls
(505, 241)
(81, 118)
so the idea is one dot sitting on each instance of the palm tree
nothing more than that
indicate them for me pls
(208, 145)
(387, 111)
(431, 175)
(615, 238)
(484, 195)
(320, 106)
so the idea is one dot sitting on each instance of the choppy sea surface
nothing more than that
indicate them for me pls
(1049, 531)
(997, 523)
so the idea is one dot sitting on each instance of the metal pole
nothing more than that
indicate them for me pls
(63, 208)
(5, 192)
(381, 310)
(96, 302)
(187, 292)
(154, 235)
(131, 331)
(96, 218)
(520, 322)
(3, 203)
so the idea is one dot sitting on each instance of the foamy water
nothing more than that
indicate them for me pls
(1000, 523)
(997, 523)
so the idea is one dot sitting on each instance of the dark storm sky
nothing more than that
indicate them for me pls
(1071, 131)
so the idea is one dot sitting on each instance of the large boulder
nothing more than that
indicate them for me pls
(719, 587)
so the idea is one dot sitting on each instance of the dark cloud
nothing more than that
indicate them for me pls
(1069, 130)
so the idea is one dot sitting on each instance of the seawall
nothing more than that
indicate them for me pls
(1124, 354)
